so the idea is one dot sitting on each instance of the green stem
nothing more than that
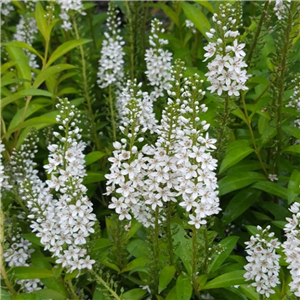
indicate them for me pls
(194, 262)
(169, 233)
(248, 122)
(71, 287)
(257, 33)
(85, 87)
(112, 113)
(223, 127)
(131, 41)
(119, 244)
(156, 251)
(283, 66)
(2, 266)
(104, 283)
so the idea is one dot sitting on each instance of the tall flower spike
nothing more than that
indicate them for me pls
(64, 222)
(26, 32)
(143, 182)
(226, 71)
(133, 104)
(295, 100)
(5, 9)
(18, 254)
(280, 8)
(112, 54)
(4, 178)
(66, 7)
(292, 247)
(158, 61)
(263, 262)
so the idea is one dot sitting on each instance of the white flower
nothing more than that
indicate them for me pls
(263, 262)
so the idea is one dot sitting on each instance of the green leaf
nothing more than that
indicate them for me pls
(25, 46)
(65, 48)
(134, 294)
(40, 261)
(172, 295)
(195, 15)
(294, 185)
(279, 224)
(30, 92)
(136, 263)
(11, 81)
(41, 21)
(292, 149)
(49, 294)
(22, 64)
(5, 295)
(93, 156)
(239, 204)
(184, 288)
(249, 291)
(291, 130)
(237, 181)
(272, 188)
(32, 122)
(207, 5)
(169, 12)
(135, 226)
(7, 66)
(71, 275)
(32, 273)
(100, 244)
(94, 176)
(33, 107)
(226, 280)
(46, 73)
(165, 277)
(25, 297)
(229, 244)
(137, 247)
(236, 153)
(31, 237)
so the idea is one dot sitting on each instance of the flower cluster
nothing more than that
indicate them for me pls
(263, 262)
(6, 8)
(292, 247)
(295, 99)
(66, 7)
(280, 8)
(63, 224)
(133, 104)
(177, 167)
(226, 71)
(26, 32)
(158, 61)
(112, 54)
(190, 24)
(3, 177)
(18, 255)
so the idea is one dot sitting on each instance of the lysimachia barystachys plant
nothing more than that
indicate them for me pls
(226, 68)
(68, 8)
(158, 61)
(111, 62)
(18, 254)
(291, 248)
(263, 262)
(26, 31)
(6, 9)
(179, 164)
(64, 222)
(294, 101)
